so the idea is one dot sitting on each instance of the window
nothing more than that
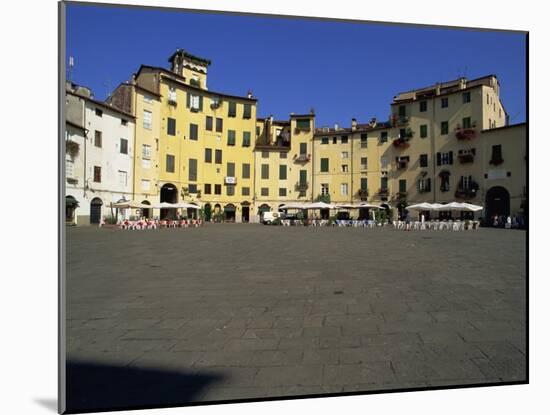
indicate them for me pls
(490, 123)
(324, 165)
(384, 162)
(264, 191)
(258, 131)
(423, 160)
(171, 127)
(303, 124)
(146, 163)
(444, 158)
(444, 182)
(209, 123)
(496, 154)
(146, 151)
(344, 139)
(334, 140)
(247, 111)
(423, 106)
(487, 99)
(219, 125)
(265, 171)
(207, 189)
(424, 185)
(303, 148)
(324, 140)
(402, 186)
(98, 112)
(69, 168)
(282, 191)
(218, 157)
(402, 110)
(345, 154)
(192, 170)
(282, 172)
(170, 163)
(364, 164)
(172, 95)
(194, 102)
(208, 155)
(122, 178)
(193, 132)
(195, 81)
(466, 97)
(383, 183)
(444, 102)
(246, 138)
(123, 122)
(192, 188)
(265, 154)
(231, 137)
(364, 140)
(384, 137)
(283, 155)
(230, 169)
(444, 127)
(230, 190)
(246, 171)
(147, 99)
(217, 189)
(97, 174)
(344, 168)
(303, 176)
(123, 146)
(147, 119)
(245, 191)
(232, 109)
(466, 122)
(324, 189)
(402, 133)
(98, 138)
(423, 131)
(364, 183)
(145, 184)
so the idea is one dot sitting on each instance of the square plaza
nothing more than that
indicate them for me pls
(237, 311)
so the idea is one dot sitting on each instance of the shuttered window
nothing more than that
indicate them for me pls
(231, 137)
(170, 163)
(193, 132)
(232, 109)
(282, 172)
(265, 171)
(193, 170)
(171, 126)
(324, 165)
(246, 138)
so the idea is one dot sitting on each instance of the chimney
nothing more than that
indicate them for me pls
(336, 127)
(373, 122)
(249, 94)
(353, 124)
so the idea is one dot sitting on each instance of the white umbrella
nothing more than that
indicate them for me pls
(472, 208)
(318, 205)
(348, 206)
(420, 206)
(366, 205)
(293, 206)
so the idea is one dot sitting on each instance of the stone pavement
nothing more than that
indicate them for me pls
(235, 311)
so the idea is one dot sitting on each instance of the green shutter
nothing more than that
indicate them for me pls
(188, 100)
(303, 176)
(200, 102)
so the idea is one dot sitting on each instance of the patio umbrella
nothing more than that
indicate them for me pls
(318, 205)
(366, 205)
(292, 206)
(349, 206)
(472, 208)
(420, 206)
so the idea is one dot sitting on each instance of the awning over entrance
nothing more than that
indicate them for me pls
(71, 201)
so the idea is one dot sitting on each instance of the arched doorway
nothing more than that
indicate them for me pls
(146, 212)
(245, 209)
(207, 212)
(70, 207)
(263, 208)
(230, 212)
(169, 194)
(497, 202)
(95, 210)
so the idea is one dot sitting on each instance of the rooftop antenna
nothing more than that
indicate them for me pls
(70, 70)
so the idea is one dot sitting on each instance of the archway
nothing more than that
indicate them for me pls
(230, 212)
(70, 207)
(497, 202)
(169, 194)
(146, 212)
(245, 209)
(95, 210)
(263, 208)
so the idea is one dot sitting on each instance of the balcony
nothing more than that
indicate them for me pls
(301, 186)
(466, 156)
(363, 194)
(402, 163)
(465, 133)
(401, 195)
(401, 143)
(302, 158)
(172, 100)
(468, 192)
(399, 120)
(383, 192)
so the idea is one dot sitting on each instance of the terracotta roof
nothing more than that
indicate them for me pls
(102, 104)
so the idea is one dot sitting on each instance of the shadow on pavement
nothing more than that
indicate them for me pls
(95, 387)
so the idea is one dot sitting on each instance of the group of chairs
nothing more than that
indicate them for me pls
(438, 225)
(327, 222)
(156, 224)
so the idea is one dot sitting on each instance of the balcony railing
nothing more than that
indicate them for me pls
(402, 164)
(465, 133)
(301, 186)
(172, 100)
(401, 195)
(465, 158)
(363, 194)
(468, 192)
(399, 120)
(302, 158)
(383, 191)
(401, 142)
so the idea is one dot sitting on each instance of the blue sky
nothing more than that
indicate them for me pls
(342, 70)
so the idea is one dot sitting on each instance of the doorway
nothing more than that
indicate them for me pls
(95, 210)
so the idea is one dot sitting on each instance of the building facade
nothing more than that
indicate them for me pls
(442, 143)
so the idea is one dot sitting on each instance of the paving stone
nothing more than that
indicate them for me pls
(289, 375)
(275, 357)
(372, 372)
